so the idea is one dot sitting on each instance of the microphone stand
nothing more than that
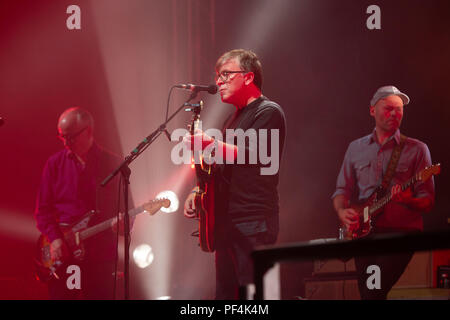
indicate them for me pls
(124, 169)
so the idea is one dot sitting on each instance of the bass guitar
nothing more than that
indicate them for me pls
(204, 196)
(47, 268)
(372, 208)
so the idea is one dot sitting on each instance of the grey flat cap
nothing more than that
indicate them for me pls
(387, 91)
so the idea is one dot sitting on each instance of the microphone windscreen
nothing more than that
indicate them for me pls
(212, 89)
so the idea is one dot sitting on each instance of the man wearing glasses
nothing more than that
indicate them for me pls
(68, 190)
(246, 201)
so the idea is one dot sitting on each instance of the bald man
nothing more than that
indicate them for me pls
(69, 189)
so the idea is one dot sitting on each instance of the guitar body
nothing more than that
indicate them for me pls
(366, 221)
(370, 209)
(204, 204)
(46, 267)
(204, 197)
(75, 234)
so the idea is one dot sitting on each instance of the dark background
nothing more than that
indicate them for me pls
(320, 62)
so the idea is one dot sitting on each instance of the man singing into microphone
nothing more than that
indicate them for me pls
(246, 200)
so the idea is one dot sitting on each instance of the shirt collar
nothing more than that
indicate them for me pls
(92, 153)
(373, 137)
(255, 103)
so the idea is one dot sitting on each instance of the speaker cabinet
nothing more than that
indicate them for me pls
(332, 280)
(418, 273)
(336, 279)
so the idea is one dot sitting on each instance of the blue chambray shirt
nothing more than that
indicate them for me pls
(366, 161)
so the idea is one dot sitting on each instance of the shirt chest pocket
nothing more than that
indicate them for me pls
(363, 173)
(402, 173)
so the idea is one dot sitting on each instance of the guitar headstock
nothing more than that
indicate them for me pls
(426, 173)
(153, 206)
(195, 108)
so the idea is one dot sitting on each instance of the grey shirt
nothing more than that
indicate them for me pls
(366, 161)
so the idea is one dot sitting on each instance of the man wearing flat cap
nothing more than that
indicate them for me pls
(366, 170)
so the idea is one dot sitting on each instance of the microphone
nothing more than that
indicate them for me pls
(212, 89)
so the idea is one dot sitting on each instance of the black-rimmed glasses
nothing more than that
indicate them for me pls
(225, 75)
(69, 138)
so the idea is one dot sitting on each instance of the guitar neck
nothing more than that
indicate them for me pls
(89, 232)
(388, 197)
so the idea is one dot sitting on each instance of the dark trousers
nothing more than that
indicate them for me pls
(391, 269)
(97, 282)
(234, 266)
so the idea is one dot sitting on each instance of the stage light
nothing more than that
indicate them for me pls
(143, 256)
(174, 203)
(164, 298)
(18, 225)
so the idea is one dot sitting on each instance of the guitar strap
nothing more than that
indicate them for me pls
(393, 163)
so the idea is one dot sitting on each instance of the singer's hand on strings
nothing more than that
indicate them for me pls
(198, 140)
(189, 206)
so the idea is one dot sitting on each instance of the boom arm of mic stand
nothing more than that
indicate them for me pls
(145, 143)
(126, 172)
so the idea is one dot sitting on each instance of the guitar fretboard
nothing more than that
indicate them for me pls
(89, 232)
(388, 197)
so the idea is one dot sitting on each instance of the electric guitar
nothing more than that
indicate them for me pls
(372, 208)
(47, 268)
(204, 197)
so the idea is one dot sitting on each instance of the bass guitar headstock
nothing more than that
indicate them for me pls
(153, 206)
